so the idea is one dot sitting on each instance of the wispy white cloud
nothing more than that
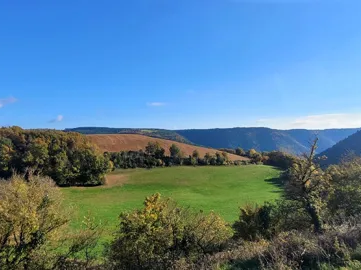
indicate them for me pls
(320, 121)
(156, 104)
(6, 101)
(59, 118)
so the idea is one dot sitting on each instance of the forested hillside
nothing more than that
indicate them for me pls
(68, 158)
(293, 141)
(346, 148)
(265, 139)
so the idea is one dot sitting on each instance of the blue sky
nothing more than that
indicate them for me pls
(180, 64)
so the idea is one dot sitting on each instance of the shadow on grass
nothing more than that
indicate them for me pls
(277, 182)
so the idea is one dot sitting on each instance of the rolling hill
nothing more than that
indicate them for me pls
(262, 139)
(134, 142)
(348, 146)
(153, 132)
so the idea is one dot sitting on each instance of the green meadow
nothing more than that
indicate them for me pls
(220, 189)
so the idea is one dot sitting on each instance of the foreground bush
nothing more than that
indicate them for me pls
(30, 215)
(254, 222)
(33, 231)
(295, 250)
(162, 233)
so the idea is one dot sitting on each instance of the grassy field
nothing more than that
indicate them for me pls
(222, 189)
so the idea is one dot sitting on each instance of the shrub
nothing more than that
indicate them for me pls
(30, 215)
(162, 233)
(294, 250)
(32, 226)
(245, 162)
(254, 222)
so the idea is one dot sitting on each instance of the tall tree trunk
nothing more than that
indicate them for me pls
(315, 217)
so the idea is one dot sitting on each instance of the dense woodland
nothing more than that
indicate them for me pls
(315, 225)
(68, 158)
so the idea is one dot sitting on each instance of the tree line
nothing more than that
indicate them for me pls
(68, 158)
(154, 156)
(316, 224)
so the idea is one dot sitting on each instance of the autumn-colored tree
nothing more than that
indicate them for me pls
(251, 153)
(207, 158)
(240, 151)
(33, 223)
(310, 186)
(68, 158)
(225, 157)
(6, 155)
(31, 213)
(195, 154)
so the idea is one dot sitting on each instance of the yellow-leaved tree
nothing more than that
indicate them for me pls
(32, 226)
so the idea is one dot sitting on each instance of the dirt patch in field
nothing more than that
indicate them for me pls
(134, 142)
(114, 180)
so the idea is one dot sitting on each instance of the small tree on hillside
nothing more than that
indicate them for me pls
(207, 158)
(174, 151)
(195, 154)
(251, 153)
(240, 152)
(310, 186)
(225, 157)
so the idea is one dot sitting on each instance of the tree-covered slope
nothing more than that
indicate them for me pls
(262, 139)
(266, 139)
(349, 146)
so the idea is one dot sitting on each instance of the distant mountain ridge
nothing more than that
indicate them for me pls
(265, 139)
(262, 139)
(349, 146)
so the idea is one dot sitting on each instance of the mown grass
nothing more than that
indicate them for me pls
(219, 189)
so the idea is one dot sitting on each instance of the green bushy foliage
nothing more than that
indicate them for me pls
(162, 233)
(68, 158)
(295, 250)
(345, 200)
(254, 222)
(279, 159)
(33, 227)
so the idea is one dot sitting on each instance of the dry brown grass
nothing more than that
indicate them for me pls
(134, 142)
